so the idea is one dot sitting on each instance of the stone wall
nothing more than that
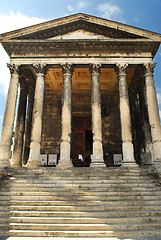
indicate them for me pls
(111, 127)
(51, 131)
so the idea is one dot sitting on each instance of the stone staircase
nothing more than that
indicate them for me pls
(80, 203)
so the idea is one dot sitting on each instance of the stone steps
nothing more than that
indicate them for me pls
(79, 198)
(86, 234)
(82, 227)
(82, 194)
(82, 208)
(82, 189)
(95, 214)
(101, 179)
(84, 220)
(14, 203)
(80, 203)
(80, 185)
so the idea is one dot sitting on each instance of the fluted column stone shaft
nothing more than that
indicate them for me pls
(153, 112)
(65, 146)
(126, 133)
(8, 122)
(20, 125)
(28, 125)
(34, 156)
(98, 160)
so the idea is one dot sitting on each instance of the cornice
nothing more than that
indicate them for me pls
(138, 40)
(88, 19)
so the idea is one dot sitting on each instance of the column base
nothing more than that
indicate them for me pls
(157, 151)
(34, 158)
(5, 156)
(157, 165)
(128, 154)
(129, 164)
(98, 164)
(4, 163)
(33, 164)
(15, 165)
(97, 155)
(65, 163)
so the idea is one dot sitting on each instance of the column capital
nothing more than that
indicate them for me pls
(149, 68)
(41, 68)
(67, 68)
(14, 68)
(121, 69)
(94, 68)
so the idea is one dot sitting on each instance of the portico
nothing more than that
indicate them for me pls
(86, 68)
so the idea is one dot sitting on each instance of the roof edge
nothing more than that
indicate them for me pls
(76, 17)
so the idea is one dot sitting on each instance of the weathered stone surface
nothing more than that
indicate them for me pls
(34, 156)
(51, 130)
(8, 122)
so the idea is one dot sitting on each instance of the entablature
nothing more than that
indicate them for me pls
(80, 48)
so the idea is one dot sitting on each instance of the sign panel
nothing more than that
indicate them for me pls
(43, 159)
(52, 159)
(117, 159)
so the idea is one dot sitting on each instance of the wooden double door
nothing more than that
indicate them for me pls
(82, 140)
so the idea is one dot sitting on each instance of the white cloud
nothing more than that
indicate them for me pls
(14, 21)
(78, 7)
(11, 22)
(136, 19)
(159, 96)
(110, 11)
(70, 8)
(81, 5)
(5, 75)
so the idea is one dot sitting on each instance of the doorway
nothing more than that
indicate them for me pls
(82, 141)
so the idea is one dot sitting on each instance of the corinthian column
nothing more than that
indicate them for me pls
(8, 122)
(65, 146)
(97, 160)
(20, 125)
(34, 156)
(127, 146)
(153, 112)
(28, 124)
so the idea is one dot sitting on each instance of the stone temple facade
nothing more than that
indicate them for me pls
(87, 94)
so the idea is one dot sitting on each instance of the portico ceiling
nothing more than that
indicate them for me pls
(81, 79)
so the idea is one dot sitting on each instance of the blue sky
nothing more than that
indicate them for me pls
(15, 14)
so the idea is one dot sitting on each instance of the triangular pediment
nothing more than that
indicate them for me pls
(80, 26)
